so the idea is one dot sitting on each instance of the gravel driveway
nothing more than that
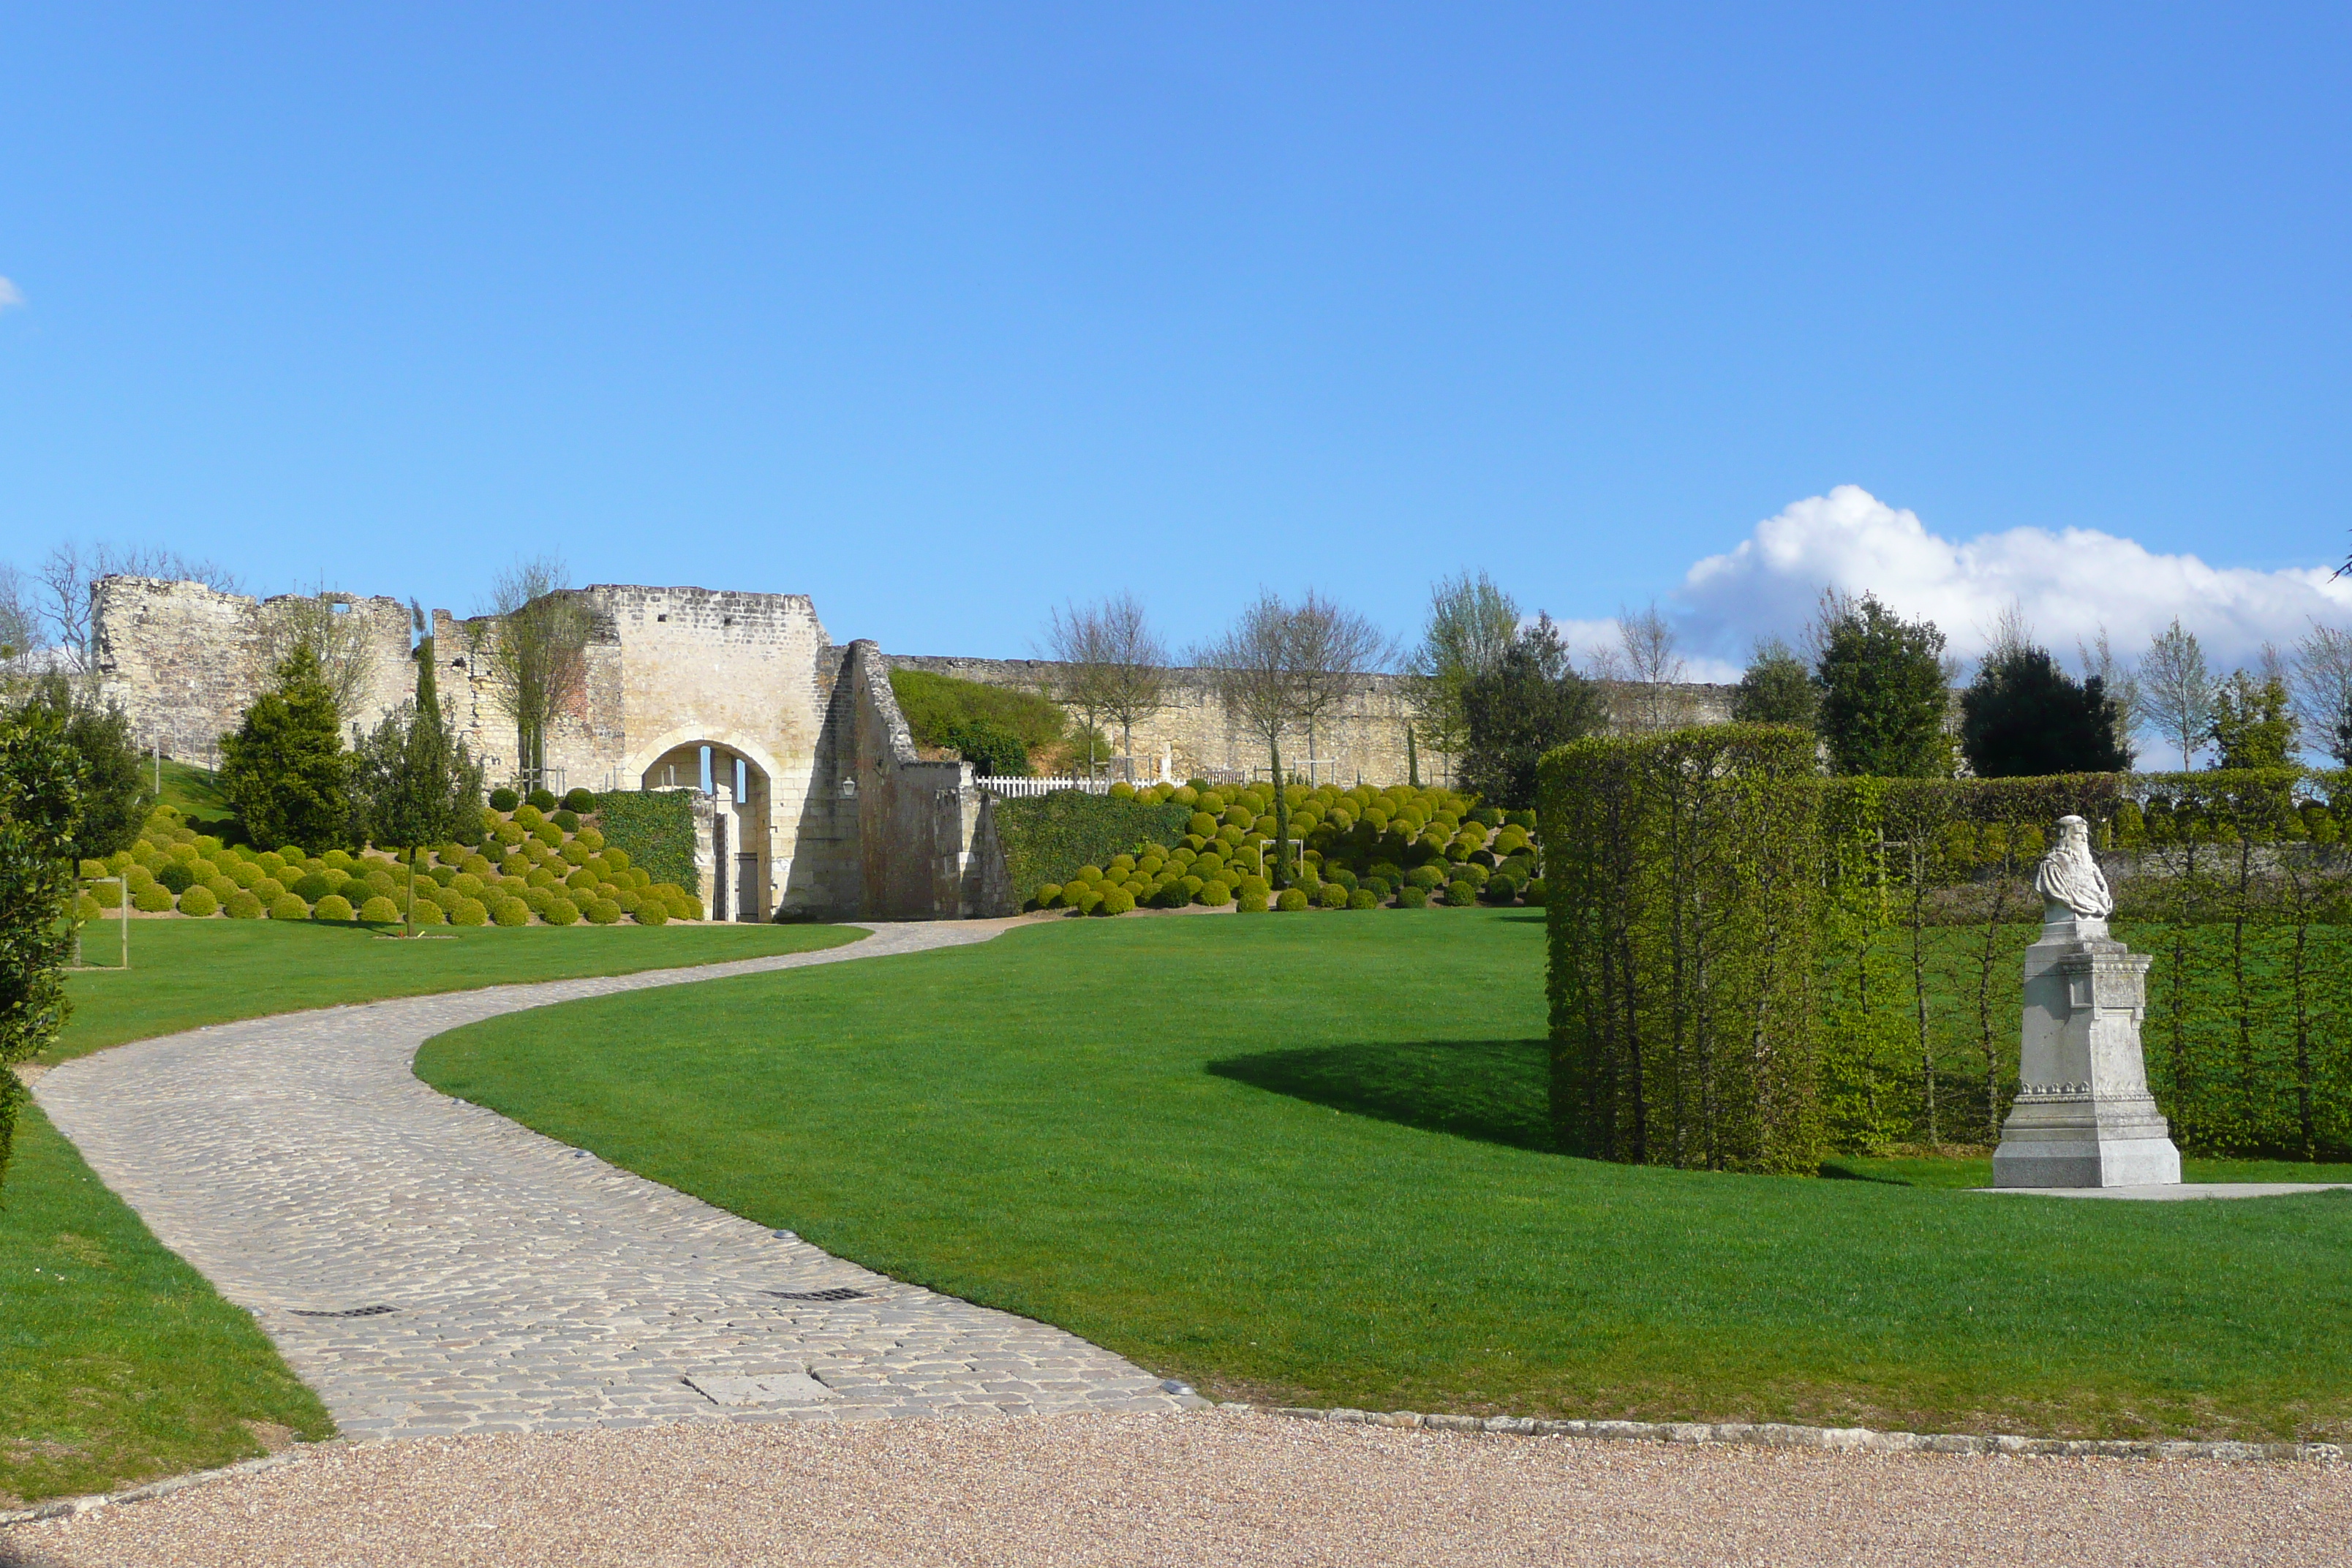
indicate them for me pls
(1207, 1487)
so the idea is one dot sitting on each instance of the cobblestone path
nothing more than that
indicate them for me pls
(431, 1268)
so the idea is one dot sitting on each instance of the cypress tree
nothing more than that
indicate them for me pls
(285, 769)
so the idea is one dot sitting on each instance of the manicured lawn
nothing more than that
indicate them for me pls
(118, 1362)
(1301, 1159)
(188, 973)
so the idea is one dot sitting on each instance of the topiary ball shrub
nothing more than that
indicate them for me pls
(511, 912)
(1332, 896)
(566, 819)
(582, 800)
(312, 885)
(428, 913)
(244, 906)
(288, 907)
(380, 911)
(199, 902)
(1213, 894)
(1291, 900)
(1118, 901)
(470, 834)
(1412, 898)
(527, 817)
(109, 895)
(539, 898)
(333, 906)
(1534, 891)
(650, 913)
(1460, 895)
(602, 912)
(503, 799)
(470, 912)
(1363, 898)
(508, 833)
(178, 876)
(560, 912)
(544, 799)
(152, 899)
(1428, 879)
(1252, 903)
(86, 909)
(1500, 890)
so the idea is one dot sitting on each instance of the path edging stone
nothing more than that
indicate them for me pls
(1783, 1435)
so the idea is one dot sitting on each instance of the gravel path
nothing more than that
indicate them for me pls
(431, 1268)
(1208, 1487)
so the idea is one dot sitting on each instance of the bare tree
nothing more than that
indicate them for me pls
(339, 638)
(20, 625)
(533, 644)
(1335, 653)
(2177, 690)
(1651, 672)
(70, 571)
(1127, 670)
(2120, 681)
(1253, 668)
(2323, 689)
(1077, 639)
(1471, 625)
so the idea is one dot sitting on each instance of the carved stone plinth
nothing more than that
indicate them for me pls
(2084, 1117)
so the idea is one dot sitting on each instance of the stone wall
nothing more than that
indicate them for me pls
(1365, 740)
(183, 661)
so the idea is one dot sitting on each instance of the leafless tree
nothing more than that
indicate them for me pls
(1079, 642)
(20, 625)
(2177, 690)
(2121, 683)
(2323, 689)
(1117, 665)
(533, 644)
(1654, 670)
(1471, 624)
(328, 625)
(71, 570)
(1335, 652)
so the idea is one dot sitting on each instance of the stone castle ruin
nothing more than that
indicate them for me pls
(810, 797)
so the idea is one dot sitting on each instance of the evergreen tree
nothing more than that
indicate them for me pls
(40, 803)
(1884, 699)
(411, 784)
(285, 769)
(116, 793)
(1531, 701)
(2022, 717)
(1776, 689)
(2254, 723)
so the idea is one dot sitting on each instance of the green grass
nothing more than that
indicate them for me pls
(185, 974)
(1301, 1160)
(1964, 1173)
(196, 792)
(118, 1362)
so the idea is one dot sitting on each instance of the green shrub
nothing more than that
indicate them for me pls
(468, 834)
(542, 800)
(177, 876)
(601, 912)
(470, 912)
(1252, 903)
(582, 879)
(333, 906)
(109, 895)
(1213, 894)
(1460, 895)
(244, 906)
(1332, 896)
(1053, 838)
(540, 897)
(428, 913)
(572, 852)
(153, 898)
(1291, 899)
(1411, 897)
(1534, 891)
(92, 868)
(508, 833)
(199, 902)
(312, 885)
(380, 911)
(1500, 890)
(504, 799)
(512, 912)
(1363, 898)
(288, 907)
(936, 705)
(1428, 879)
(650, 913)
(560, 912)
(652, 828)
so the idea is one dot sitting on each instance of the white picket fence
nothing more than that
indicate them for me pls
(1020, 789)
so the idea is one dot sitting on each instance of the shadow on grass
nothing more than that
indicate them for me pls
(1494, 1091)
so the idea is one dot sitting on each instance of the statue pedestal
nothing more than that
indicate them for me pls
(2084, 1117)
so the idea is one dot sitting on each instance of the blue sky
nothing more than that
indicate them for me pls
(943, 315)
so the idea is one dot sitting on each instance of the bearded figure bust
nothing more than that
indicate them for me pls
(2069, 881)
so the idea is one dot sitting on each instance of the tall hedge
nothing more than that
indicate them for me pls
(1683, 899)
(1046, 837)
(656, 827)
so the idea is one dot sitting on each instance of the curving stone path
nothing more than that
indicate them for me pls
(431, 1268)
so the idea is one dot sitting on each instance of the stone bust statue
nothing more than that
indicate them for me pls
(2069, 881)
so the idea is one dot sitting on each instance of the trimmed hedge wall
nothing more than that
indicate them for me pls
(1047, 837)
(656, 828)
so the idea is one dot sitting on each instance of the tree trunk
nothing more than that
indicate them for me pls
(409, 926)
(1281, 877)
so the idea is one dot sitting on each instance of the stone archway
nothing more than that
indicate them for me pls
(733, 815)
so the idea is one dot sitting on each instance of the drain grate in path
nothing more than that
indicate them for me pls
(838, 1293)
(347, 1313)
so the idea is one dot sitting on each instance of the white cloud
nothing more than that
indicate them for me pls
(10, 295)
(2068, 584)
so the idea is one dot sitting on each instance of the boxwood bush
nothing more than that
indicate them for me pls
(243, 907)
(199, 902)
(380, 911)
(333, 906)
